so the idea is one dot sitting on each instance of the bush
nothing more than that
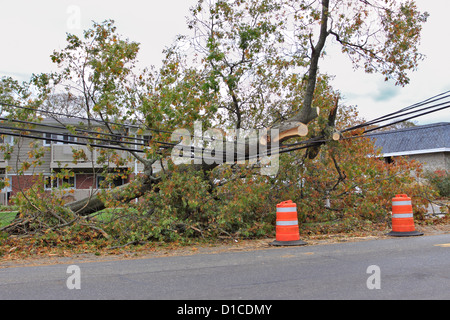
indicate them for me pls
(341, 189)
(189, 206)
(440, 180)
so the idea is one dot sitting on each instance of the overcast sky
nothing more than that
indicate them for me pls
(30, 30)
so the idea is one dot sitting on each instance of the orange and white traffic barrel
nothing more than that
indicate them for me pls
(402, 217)
(287, 231)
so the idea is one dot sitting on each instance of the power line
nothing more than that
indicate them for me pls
(115, 135)
(398, 113)
(69, 115)
(75, 129)
(409, 118)
(48, 135)
(100, 121)
(22, 135)
(194, 149)
(53, 137)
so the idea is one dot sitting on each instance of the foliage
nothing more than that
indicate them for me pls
(257, 56)
(440, 180)
(332, 191)
(39, 210)
(188, 206)
(248, 65)
(235, 202)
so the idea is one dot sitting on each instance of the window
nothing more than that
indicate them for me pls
(117, 137)
(50, 182)
(99, 182)
(118, 181)
(68, 183)
(67, 139)
(389, 160)
(146, 141)
(48, 141)
(7, 139)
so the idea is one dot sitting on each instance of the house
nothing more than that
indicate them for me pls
(428, 144)
(58, 146)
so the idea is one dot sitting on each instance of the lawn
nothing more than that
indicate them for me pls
(6, 217)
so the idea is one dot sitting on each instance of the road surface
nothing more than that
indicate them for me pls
(392, 268)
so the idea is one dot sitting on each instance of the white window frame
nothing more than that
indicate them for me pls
(53, 180)
(5, 176)
(68, 182)
(51, 135)
(58, 182)
(7, 139)
(97, 182)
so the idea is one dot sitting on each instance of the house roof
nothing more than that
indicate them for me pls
(414, 140)
(79, 123)
(69, 121)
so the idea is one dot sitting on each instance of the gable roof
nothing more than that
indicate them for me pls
(414, 140)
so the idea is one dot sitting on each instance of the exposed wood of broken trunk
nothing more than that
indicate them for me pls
(145, 182)
(293, 127)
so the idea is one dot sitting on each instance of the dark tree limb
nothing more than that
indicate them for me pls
(285, 129)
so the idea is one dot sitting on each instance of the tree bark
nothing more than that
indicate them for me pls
(124, 193)
(293, 127)
(308, 113)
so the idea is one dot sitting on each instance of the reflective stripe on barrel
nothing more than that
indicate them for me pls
(287, 209)
(402, 215)
(401, 203)
(287, 223)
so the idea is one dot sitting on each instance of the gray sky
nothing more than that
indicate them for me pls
(375, 97)
(31, 30)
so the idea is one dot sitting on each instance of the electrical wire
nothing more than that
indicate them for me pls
(193, 149)
(102, 122)
(398, 113)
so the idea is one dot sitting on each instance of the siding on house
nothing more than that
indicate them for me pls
(3, 163)
(57, 156)
(22, 148)
(429, 144)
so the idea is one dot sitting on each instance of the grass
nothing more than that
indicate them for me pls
(109, 214)
(6, 217)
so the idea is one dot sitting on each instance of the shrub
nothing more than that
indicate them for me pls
(440, 180)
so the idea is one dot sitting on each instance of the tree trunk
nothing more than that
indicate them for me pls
(278, 133)
(124, 193)
(144, 183)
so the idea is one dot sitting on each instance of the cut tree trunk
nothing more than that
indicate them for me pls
(125, 193)
(144, 183)
(293, 127)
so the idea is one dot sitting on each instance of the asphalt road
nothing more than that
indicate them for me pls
(395, 268)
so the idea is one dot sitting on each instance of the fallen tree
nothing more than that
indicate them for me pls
(256, 65)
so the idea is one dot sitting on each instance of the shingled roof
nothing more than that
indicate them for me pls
(414, 140)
